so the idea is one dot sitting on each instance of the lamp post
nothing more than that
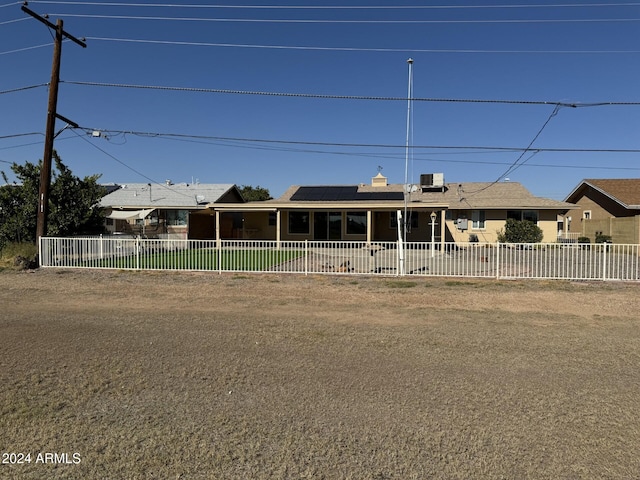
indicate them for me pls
(433, 230)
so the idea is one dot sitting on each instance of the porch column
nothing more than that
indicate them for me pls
(278, 223)
(369, 226)
(218, 243)
(442, 229)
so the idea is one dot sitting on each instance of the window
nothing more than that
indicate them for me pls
(413, 219)
(356, 223)
(298, 222)
(177, 217)
(478, 219)
(586, 214)
(530, 215)
(272, 219)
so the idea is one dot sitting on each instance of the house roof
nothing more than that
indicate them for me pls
(470, 195)
(489, 195)
(625, 191)
(164, 195)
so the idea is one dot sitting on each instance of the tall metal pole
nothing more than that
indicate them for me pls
(402, 217)
(406, 162)
(45, 171)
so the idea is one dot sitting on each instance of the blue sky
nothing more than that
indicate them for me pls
(350, 67)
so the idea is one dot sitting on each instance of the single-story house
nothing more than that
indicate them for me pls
(434, 211)
(609, 207)
(163, 210)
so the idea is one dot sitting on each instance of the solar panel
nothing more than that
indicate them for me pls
(340, 194)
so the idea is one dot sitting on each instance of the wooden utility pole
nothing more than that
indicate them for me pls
(45, 171)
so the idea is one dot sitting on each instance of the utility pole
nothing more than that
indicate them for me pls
(45, 172)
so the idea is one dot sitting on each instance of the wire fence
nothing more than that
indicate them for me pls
(570, 261)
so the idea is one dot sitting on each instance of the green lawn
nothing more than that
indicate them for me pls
(201, 259)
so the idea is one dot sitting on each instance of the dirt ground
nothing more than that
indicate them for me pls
(177, 375)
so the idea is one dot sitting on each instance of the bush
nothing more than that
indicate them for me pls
(20, 255)
(520, 231)
(600, 238)
(584, 240)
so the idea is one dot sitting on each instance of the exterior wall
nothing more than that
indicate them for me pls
(621, 230)
(494, 223)
(548, 222)
(625, 230)
(606, 217)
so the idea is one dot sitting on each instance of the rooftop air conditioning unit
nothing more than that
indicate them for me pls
(426, 180)
(432, 180)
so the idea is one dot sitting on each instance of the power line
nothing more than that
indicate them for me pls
(356, 49)
(336, 21)
(7, 22)
(489, 149)
(26, 48)
(114, 158)
(346, 97)
(342, 7)
(163, 185)
(518, 163)
(21, 89)
(16, 135)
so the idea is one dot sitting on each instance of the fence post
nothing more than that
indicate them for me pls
(137, 253)
(604, 260)
(497, 260)
(219, 251)
(306, 256)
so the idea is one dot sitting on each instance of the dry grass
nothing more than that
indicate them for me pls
(208, 376)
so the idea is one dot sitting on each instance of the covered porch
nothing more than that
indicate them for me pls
(338, 222)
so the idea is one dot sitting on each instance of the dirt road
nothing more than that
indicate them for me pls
(174, 375)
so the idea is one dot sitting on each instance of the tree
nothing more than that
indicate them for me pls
(254, 194)
(73, 203)
(520, 231)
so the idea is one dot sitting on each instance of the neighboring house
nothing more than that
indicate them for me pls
(457, 212)
(609, 207)
(170, 210)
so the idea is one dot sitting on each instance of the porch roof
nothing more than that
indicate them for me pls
(452, 196)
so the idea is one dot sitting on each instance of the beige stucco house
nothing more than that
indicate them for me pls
(609, 207)
(444, 212)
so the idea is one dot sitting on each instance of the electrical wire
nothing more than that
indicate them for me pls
(351, 22)
(26, 48)
(16, 135)
(354, 49)
(7, 22)
(489, 149)
(517, 163)
(340, 7)
(137, 172)
(345, 97)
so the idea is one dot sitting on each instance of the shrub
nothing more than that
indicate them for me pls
(520, 231)
(20, 255)
(600, 238)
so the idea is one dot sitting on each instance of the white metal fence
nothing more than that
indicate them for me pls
(570, 261)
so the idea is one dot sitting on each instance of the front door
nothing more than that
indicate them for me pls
(327, 226)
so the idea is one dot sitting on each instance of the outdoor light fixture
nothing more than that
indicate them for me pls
(433, 230)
